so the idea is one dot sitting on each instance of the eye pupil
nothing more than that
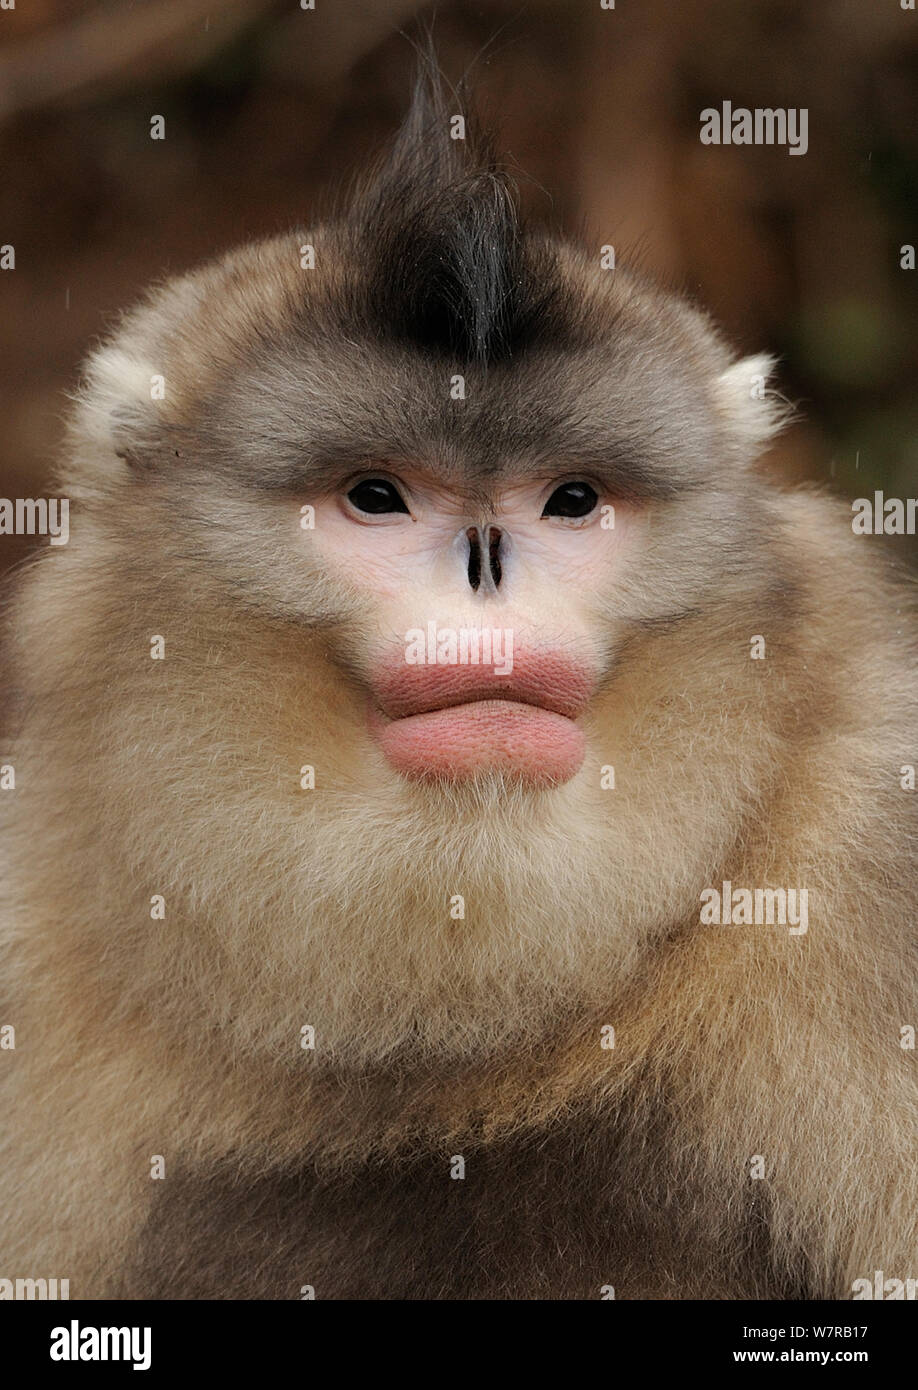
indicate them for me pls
(376, 496)
(571, 499)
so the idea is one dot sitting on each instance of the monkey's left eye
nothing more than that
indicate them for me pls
(376, 496)
(571, 499)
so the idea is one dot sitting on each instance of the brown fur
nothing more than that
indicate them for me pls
(585, 1167)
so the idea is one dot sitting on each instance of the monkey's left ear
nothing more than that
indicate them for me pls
(754, 413)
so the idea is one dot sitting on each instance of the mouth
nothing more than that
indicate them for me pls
(453, 723)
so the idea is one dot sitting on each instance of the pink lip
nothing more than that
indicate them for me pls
(455, 721)
(550, 681)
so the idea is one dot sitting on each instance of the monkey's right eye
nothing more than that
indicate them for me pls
(376, 496)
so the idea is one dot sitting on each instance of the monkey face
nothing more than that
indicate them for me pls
(472, 543)
(486, 671)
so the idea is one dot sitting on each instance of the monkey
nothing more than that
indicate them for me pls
(429, 653)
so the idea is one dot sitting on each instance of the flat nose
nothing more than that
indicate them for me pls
(484, 565)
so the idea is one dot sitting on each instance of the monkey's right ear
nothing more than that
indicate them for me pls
(754, 413)
(122, 409)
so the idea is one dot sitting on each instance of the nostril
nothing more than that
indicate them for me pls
(495, 536)
(474, 557)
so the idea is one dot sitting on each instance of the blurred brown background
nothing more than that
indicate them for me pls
(269, 107)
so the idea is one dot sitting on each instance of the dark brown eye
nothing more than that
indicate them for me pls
(376, 496)
(571, 499)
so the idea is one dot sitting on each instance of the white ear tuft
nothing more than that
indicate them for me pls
(115, 401)
(754, 414)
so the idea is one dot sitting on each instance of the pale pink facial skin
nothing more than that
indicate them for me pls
(458, 721)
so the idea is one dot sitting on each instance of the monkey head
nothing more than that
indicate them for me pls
(426, 507)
